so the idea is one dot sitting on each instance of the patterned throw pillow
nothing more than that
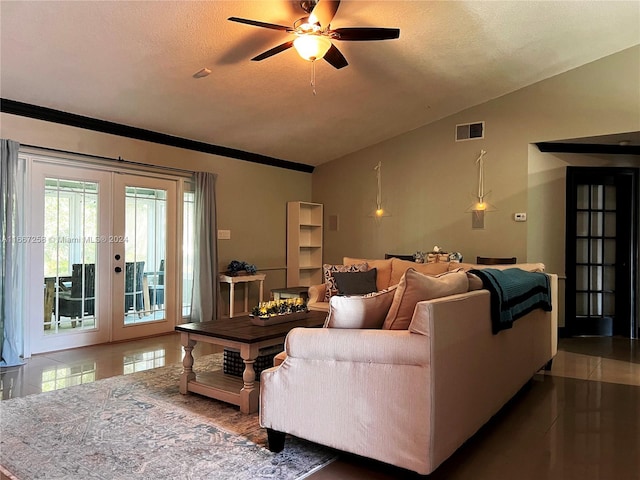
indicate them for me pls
(328, 270)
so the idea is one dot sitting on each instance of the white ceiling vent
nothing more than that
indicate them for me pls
(469, 131)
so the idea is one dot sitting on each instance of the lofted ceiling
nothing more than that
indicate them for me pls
(133, 62)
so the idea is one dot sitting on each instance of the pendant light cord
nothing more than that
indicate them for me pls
(378, 169)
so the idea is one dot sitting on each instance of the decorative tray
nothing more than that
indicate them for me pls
(263, 321)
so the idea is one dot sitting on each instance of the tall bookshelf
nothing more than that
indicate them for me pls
(304, 244)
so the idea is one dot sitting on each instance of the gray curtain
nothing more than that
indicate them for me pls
(12, 254)
(204, 299)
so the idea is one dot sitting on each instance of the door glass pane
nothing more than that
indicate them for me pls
(582, 224)
(596, 304)
(610, 224)
(187, 251)
(609, 251)
(145, 251)
(582, 197)
(70, 237)
(582, 278)
(582, 304)
(610, 197)
(609, 304)
(595, 282)
(596, 223)
(596, 250)
(609, 278)
(597, 196)
(582, 251)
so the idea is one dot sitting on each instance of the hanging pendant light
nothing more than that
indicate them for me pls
(480, 206)
(379, 211)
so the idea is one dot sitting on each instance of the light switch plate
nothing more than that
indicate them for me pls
(520, 217)
(224, 234)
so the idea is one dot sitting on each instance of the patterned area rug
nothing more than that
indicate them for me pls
(140, 427)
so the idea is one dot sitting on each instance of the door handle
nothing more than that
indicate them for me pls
(118, 269)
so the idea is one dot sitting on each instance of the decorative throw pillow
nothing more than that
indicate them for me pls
(356, 283)
(329, 270)
(416, 287)
(383, 277)
(367, 311)
(400, 266)
(475, 283)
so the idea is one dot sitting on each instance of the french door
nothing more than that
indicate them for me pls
(102, 255)
(601, 251)
(142, 256)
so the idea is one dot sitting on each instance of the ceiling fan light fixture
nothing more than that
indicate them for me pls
(312, 47)
(306, 25)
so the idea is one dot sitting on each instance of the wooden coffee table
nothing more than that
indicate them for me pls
(241, 334)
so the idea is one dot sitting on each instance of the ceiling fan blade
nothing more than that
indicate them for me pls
(365, 33)
(324, 11)
(335, 58)
(256, 23)
(273, 51)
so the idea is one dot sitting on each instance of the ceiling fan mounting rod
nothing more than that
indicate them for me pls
(308, 5)
(305, 26)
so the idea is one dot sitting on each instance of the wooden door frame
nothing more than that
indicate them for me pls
(631, 260)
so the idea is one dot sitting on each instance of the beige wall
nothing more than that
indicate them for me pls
(252, 199)
(429, 180)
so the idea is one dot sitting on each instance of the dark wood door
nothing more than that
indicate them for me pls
(601, 251)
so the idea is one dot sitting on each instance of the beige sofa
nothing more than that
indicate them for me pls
(390, 271)
(406, 397)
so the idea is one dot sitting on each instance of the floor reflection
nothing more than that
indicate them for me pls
(581, 421)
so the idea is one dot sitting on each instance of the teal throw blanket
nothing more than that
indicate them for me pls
(514, 293)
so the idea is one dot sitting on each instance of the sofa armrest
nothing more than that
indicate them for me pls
(398, 347)
(316, 293)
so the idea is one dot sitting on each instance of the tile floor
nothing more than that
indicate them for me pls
(579, 421)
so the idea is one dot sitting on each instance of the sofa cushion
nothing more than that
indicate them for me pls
(328, 271)
(398, 267)
(416, 287)
(383, 267)
(475, 282)
(366, 311)
(356, 283)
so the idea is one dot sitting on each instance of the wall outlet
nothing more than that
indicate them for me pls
(520, 217)
(224, 234)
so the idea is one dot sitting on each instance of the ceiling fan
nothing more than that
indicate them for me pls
(314, 34)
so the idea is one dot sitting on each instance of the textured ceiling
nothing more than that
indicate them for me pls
(132, 63)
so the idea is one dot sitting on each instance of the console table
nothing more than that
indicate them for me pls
(258, 277)
(290, 292)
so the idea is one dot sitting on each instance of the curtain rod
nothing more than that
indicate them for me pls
(111, 159)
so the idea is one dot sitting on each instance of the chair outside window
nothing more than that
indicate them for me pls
(78, 300)
(496, 261)
(133, 287)
(156, 287)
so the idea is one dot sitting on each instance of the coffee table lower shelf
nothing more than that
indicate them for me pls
(217, 384)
